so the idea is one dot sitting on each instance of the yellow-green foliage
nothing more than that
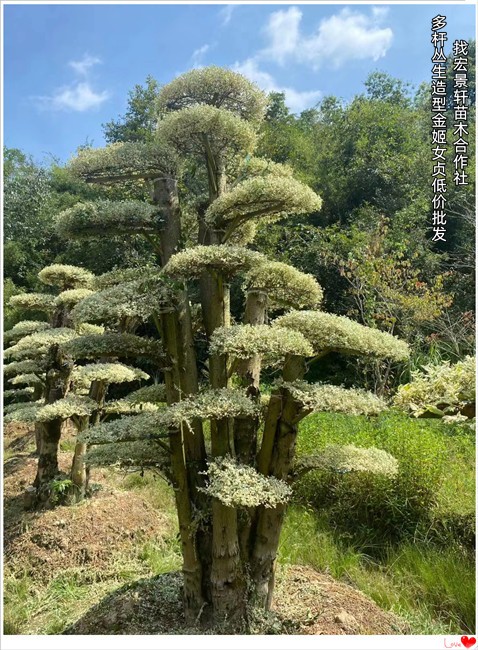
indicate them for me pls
(439, 390)
(71, 297)
(18, 392)
(201, 130)
(268, 197)
(254, 167)
(118, 276)
(331, 333)
(33, 302)
(110, 373)
(349, 458)
(228, 260)
(130, 428)
(24, 328)
(237, 485)
(127, 454)
(153, 393)
(19, 367)
(67, 407)
(217, 87)
(124, 407)
(66, 276)
(123, 160)
(138, 299)
(36, 345)
(316, 398)
(111, 344)
(98, 219)
(245, 341)
(284, 285)
(28, 379)
(22, 414)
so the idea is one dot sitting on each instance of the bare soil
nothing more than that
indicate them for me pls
(86, 534)
(306, 602)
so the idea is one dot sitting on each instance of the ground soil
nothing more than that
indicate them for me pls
(68, 536)
(306, 602)
(112, 522)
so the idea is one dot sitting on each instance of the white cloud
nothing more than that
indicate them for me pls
(342, 37)
(77, 97)
(282, 31)
(197, 55)
(225, 14)
(82, 67)
(296, 100)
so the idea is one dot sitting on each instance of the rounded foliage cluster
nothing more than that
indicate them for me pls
(201, 130)
(33, 302)
(331, 333)
(245, 341)
(94, 220)
(236, 485)
(66, 276)
(36, 345)
(216, 87)
(123, 160)
(334, 399)
(67, 407)
(284, 285)
(227, 260)
(24, 328)
(110, 373)
(271, 197)
(111, 344)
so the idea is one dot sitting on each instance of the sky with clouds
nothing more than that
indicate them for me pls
(68, 68)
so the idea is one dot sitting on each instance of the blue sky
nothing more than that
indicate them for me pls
(68, 68)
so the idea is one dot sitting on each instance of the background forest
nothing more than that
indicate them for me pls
(408, 546)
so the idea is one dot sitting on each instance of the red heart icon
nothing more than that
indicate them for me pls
(468, 641)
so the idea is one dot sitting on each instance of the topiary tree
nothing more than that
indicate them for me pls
(233, 478)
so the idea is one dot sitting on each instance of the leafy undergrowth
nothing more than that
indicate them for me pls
(409, 542)
(430, 586)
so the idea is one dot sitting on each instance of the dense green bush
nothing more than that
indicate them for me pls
(372, 509)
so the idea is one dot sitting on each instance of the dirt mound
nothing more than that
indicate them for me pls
(306, 602)
(73, 536)
(49, 541)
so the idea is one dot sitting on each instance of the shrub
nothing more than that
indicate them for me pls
(375, 509)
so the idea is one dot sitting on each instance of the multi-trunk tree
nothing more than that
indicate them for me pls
(226, 444)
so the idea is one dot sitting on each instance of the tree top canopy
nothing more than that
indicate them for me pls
(265, 197)
(92, 220)
(216, 87)
(331, 333)
(66, 276)
(124, 160)
(228, 260)
(284, 285)
(113, 278)
(245, 341)
(349, 458)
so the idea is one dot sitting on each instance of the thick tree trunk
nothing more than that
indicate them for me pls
(187, 446)
(58, 373)
(276, 460)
